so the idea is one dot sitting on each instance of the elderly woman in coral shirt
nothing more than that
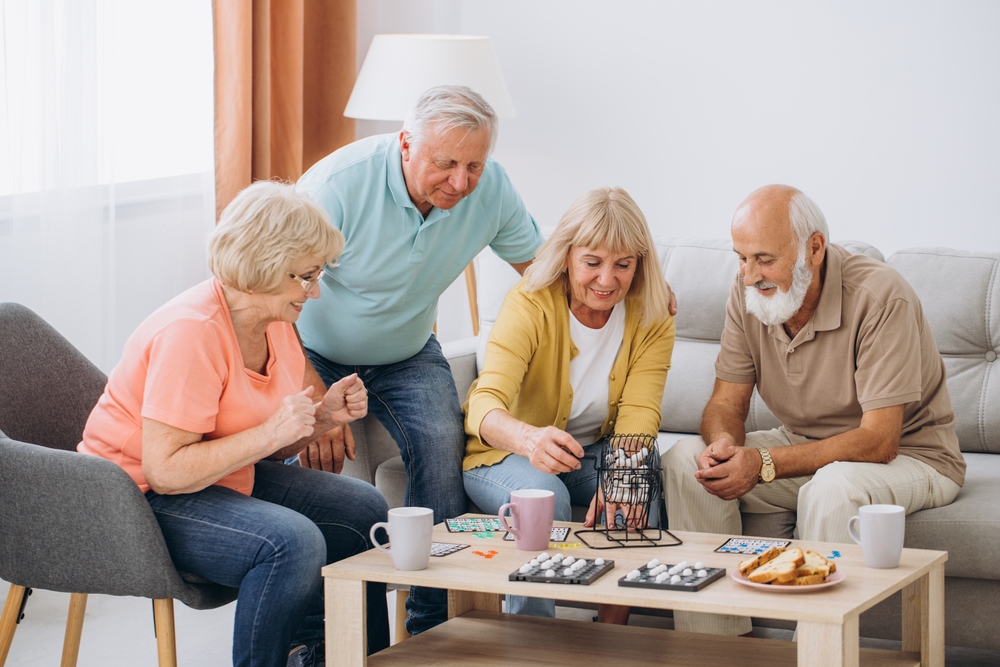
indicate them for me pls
(579, 352)
(209, 398)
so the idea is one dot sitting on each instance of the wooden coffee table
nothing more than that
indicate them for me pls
(477, 633)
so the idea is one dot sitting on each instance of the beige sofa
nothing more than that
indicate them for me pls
(960, 292)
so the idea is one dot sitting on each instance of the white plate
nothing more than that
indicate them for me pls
(832, 580)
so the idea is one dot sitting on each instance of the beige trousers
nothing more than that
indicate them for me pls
(824, 502)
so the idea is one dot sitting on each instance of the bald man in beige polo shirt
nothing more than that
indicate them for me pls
(841, 353)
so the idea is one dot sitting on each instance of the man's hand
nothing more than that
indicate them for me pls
(728, 471)
(327, 451)
(346, 400)
(552, 450)
(672, 302)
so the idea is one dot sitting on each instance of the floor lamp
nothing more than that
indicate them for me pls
(398, 68)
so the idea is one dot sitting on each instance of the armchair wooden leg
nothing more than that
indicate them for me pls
(74, 629)
(401, 633)
(8, 621)
(166, 642)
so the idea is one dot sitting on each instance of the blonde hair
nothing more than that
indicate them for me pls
(606, 217)
(263, 231)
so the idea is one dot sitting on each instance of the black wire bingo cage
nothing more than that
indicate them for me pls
(628, 476)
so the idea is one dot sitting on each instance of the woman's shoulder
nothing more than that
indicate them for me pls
(198, 312)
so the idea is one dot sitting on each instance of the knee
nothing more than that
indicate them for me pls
(563, 505)
(300, 540)
(683, 456)
(371, 507)
(833, 484)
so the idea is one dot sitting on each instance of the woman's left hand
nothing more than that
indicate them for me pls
(346, 400)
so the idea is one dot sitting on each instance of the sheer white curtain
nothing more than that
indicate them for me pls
(106, 183)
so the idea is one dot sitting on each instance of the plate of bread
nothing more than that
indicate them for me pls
(788, 570)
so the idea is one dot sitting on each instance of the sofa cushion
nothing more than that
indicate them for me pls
(969, 528)
(960, 294)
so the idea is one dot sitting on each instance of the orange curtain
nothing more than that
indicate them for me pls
(283, 72)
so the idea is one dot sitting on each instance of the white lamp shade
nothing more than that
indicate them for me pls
(399, 68)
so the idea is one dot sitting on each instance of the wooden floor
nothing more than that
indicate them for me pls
(503, 640)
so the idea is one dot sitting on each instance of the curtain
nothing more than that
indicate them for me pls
(284, 70)
(98, 226)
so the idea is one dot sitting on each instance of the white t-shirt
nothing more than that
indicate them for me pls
(589, 373)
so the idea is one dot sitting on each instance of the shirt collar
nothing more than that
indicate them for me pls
(394, 175)
(828, 312)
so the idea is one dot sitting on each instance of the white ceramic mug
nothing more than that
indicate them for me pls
(531, 514)
(881, 534)
(409, 531)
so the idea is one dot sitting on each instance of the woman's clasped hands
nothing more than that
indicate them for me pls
(296, 417)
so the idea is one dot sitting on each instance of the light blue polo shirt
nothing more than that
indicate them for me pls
(378, 306)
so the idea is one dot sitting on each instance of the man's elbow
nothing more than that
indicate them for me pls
(888, 449)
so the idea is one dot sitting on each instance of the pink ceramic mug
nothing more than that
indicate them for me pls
(531, 513)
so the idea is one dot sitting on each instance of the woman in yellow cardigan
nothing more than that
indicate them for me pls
(579, 352)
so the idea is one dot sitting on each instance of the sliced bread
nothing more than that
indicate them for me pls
(782, 568)
(751, 564)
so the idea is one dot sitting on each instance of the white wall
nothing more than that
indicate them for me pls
(886, 113)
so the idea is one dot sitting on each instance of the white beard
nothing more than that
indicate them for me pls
(780, 306)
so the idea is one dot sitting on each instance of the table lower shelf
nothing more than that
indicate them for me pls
(489, 638)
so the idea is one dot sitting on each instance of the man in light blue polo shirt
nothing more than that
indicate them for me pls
(415, 209)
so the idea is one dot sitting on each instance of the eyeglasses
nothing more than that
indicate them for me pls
(308, 284)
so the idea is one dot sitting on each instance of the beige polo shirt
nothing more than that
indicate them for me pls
(867, 346)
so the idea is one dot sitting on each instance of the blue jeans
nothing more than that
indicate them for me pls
(490, 487)
(271, 545)
(416, 400)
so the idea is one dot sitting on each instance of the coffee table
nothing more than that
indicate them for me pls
(478, 634)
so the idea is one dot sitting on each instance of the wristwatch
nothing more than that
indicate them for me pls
(767, 467)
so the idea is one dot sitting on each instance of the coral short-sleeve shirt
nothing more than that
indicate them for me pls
(183, 367)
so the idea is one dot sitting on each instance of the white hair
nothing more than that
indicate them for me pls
(444, 108)
(806, 218)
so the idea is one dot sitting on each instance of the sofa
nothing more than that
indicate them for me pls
(960, 292)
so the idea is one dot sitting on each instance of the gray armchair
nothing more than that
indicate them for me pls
(71, 522)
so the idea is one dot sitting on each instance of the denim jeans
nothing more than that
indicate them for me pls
(271, 545)
(416, 400)
(490, 487)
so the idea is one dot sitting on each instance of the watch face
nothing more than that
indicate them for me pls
(767, 474)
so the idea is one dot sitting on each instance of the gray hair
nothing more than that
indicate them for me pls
(266, 228)
(444, 108)
(806, 218)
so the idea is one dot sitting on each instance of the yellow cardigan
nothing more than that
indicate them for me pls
(526, 371)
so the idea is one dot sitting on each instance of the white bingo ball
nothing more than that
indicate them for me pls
(579, 565)
(550, 573)
(674, 570)
(543, 556)
(675, 579)
(702, 573)
(534, 561)
(557, 558)
(681, 565)
(568, 560)
(547, 564)
(598, 561)
(634, 574)
(698, 565)
(525, 568)
(659, 569)
(644, 452)
(660, 578)
(687, 572)
(653, 563)
(568, 572)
